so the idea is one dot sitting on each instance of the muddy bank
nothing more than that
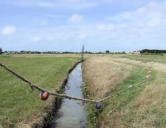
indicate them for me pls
(54, 104)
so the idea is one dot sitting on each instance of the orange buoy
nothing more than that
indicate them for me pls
(44, 95)
(149, 72)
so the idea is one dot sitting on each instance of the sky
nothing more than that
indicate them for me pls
(66, 25)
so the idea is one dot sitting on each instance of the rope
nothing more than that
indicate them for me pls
(33, 86)
(131, 86)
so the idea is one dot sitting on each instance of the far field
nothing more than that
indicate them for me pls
(18, 104)
(148, 58)
(142, 106)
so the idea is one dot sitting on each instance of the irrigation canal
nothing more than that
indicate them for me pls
(72, 113)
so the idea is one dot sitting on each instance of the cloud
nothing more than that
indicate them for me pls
(56, 4)
(42, 37)
(60, 33)
(144, 27)
(75, 18)
(142, 23)
(8, 30)
(151, 15)
(106, 27)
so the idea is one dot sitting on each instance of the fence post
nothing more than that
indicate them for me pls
(82, 54)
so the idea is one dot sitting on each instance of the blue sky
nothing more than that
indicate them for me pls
(64, 25)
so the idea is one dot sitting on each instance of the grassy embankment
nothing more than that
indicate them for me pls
(142, 106)
(17, 102)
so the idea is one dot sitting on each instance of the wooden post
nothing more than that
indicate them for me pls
(82, 54)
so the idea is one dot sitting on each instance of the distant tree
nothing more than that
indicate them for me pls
(123, 52)
(1, 51)
(107, 51)
(152, 51)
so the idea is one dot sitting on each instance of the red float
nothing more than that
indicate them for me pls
(44, 95)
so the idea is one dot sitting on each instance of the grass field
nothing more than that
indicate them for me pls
(17, 102)
(139, 107)
(148, 58)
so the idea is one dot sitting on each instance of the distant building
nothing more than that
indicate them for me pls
(135, 52)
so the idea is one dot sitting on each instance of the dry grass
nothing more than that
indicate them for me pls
(103, 74)
(150, 107)
(146, 110)
(155, 65)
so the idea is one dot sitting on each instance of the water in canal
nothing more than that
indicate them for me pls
(72, 113)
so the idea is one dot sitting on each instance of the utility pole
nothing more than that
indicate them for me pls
(82, 54)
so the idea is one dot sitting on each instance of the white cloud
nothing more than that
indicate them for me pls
(7, 30)
(42, 37)
(75, 18)
(151, 15)
(58, 4)
(147, 22)
(106, 27)
(144, 27)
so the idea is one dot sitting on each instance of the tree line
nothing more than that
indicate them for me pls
(152, 51)
(144, 51)
(56, 52)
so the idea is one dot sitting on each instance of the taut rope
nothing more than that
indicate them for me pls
(33, 86)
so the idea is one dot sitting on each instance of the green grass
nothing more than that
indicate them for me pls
(17, 101)
(121, 101)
